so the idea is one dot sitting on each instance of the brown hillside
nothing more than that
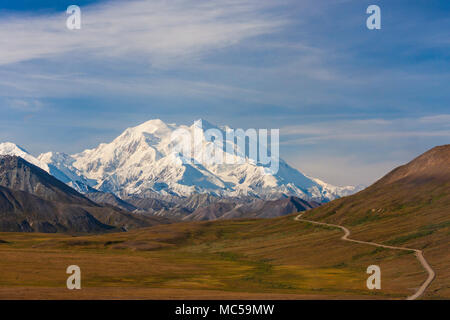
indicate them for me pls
(410, 206)
(433, 165)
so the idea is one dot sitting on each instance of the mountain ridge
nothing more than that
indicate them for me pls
(408, 207)
(18, 174)
(31, 200)
(433, 164)
(141, 161)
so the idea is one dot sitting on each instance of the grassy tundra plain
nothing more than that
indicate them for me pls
(255, 259)
(277, 258)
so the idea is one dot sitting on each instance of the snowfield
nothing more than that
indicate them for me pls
(142, 161)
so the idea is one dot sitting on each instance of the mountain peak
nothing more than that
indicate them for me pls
(34, 201)
(18, 174)
(431, 165)
(11, 149)
(141, 160)
(155, 128)
(151, 125)
(53, 156)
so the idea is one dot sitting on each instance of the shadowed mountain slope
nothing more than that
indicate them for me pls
(23, 212)
(18, 174)
(410, 206)
(31, 200)
(256, 209)
(110, 199)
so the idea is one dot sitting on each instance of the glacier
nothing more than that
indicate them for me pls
(141, 162)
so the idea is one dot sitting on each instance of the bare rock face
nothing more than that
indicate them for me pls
(254, 209)
(111, 199)
(24, 212)
(18, 174)
(31, 200)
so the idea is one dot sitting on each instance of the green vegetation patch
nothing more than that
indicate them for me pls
(408, 237)
(369, 216)
(437, 226)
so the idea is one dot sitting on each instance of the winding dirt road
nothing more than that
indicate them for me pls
(418, 254)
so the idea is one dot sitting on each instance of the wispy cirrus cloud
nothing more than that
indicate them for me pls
(437, 119)
(366, 130)
(24, 105)
(308, 67)
(360, 151)
(163, 31)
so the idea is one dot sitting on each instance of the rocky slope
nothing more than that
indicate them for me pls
(31, 200)
(255, 209)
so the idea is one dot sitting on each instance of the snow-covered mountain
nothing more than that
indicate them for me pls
(56, 164)
(11, 149)
(142, 161)
(60, 166)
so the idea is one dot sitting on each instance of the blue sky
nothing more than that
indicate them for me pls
(350, 103)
